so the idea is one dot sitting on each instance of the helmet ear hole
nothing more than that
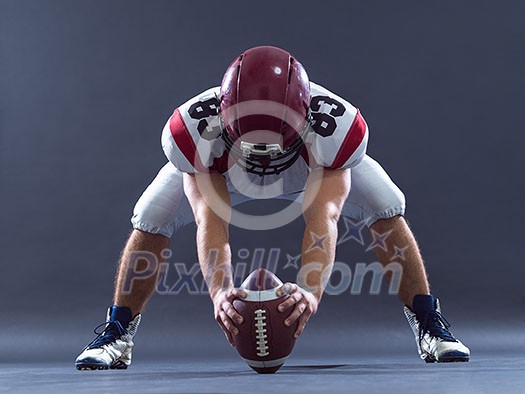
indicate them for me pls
(239, 62)
(290, 69)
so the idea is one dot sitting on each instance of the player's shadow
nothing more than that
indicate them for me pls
(341, 369)
(310, 367)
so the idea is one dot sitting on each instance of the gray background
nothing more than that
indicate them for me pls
(86, 87)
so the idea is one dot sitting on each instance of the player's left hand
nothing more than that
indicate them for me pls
(305, 304)
(225, 313)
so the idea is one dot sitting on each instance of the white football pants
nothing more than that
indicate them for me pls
(163, 207)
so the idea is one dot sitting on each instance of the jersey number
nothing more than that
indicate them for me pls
(205, 109)
(324, 120)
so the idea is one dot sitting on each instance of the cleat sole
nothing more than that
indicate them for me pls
(453, 357)
(91, 367)
(97, 367)
(119, 365)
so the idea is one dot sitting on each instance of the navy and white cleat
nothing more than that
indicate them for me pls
(435, 342)
(111, 349)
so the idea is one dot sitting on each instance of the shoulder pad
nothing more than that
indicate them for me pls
(190, 138)
(341, 133)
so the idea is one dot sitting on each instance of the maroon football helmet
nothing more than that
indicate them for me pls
(265, 99)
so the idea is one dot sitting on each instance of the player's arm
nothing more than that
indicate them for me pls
(210, 202)
(323, 202)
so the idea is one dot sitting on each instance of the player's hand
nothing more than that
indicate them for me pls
(225, 313)
(304, 303)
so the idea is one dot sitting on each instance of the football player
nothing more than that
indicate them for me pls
(268, 132)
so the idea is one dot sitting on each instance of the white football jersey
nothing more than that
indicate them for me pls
(192, 143)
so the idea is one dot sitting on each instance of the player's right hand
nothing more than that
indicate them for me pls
(225, 313)
(305, 305)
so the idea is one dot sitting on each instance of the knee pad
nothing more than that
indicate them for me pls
(152, 218)
(159, 207)
(391, 202)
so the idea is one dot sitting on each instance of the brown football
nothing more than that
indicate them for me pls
(264, 341)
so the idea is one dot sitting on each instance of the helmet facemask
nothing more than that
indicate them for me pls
(265, 158)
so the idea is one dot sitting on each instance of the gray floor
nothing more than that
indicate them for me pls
(363, 353)
(347, 358)
(486, 373)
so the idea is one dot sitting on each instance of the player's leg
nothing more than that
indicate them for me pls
(379, 203)
(400, 246)
(384, 206)
(131, 290)
(159, 212)
(375, 200)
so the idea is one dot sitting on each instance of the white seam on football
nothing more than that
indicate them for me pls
(265, 364)
(260, 331)
(263, 295)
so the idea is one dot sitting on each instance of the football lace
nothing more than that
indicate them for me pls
(260, 330)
